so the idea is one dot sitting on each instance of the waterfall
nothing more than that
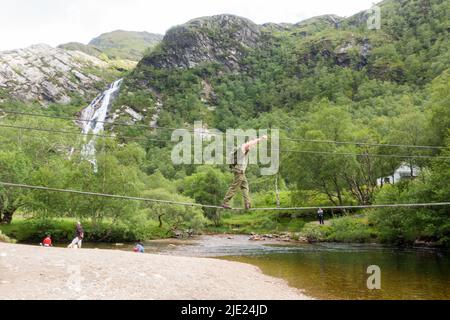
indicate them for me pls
(94, 117)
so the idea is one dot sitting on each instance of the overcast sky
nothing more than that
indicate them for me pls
(27, 22)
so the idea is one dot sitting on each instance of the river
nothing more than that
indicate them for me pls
(326, 270)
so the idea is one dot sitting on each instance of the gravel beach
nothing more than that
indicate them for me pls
(33, 272)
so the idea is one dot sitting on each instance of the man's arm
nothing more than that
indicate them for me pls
(247, 146)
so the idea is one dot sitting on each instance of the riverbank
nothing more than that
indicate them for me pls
(32, 272)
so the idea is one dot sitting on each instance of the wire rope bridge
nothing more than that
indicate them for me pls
(191, 204)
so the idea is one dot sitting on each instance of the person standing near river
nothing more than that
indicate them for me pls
(79, 235)
(238, 165)
(320, 216)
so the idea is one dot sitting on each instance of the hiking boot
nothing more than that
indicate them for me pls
(226, 206)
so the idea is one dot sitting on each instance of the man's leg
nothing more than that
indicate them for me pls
(73, 243)
(245, 190)
(233, 188)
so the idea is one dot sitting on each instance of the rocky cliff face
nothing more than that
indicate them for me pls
(222, 39)
(48, 75)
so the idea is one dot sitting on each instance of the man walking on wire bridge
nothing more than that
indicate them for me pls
(238, 165)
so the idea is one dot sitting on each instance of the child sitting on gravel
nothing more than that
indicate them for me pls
(47, 242)
(139, 248)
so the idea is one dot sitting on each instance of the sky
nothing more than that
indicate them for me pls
(27, 22)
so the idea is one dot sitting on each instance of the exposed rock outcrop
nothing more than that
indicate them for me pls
(356, 49)
(222, 39)
(46, 74)
(324, 21)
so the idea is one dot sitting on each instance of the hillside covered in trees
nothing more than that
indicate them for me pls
(352, 106)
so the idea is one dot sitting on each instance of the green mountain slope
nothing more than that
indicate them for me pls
(77, 46)
(117, 45)
(129, 45)
(254, 69)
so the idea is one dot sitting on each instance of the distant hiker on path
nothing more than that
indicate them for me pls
(320, 216)
(239, 161)
(79, 235)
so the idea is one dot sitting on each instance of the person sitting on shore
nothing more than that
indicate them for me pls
(47, 242)
(139, 248)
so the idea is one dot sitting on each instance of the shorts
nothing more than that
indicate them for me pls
(77, 241)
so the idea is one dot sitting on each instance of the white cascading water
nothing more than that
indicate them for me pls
(94, 117)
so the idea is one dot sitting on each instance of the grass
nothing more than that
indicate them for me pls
(350, 229)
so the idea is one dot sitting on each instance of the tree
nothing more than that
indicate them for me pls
(22, 153)
(410, 128)
(15, 168)
(116, 174)
(207, 186)
(321, 171)
(334, 168)
(439, 105)
(172, 216)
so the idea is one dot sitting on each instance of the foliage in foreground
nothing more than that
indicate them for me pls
(5, 238)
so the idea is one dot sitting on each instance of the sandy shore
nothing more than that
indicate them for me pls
(32, 272)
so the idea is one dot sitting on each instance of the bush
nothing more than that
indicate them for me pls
(349, 229)
(315, 232)
(34, 230)
(295, 225)
(344, 229)
(38, 229)
(406, 225)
